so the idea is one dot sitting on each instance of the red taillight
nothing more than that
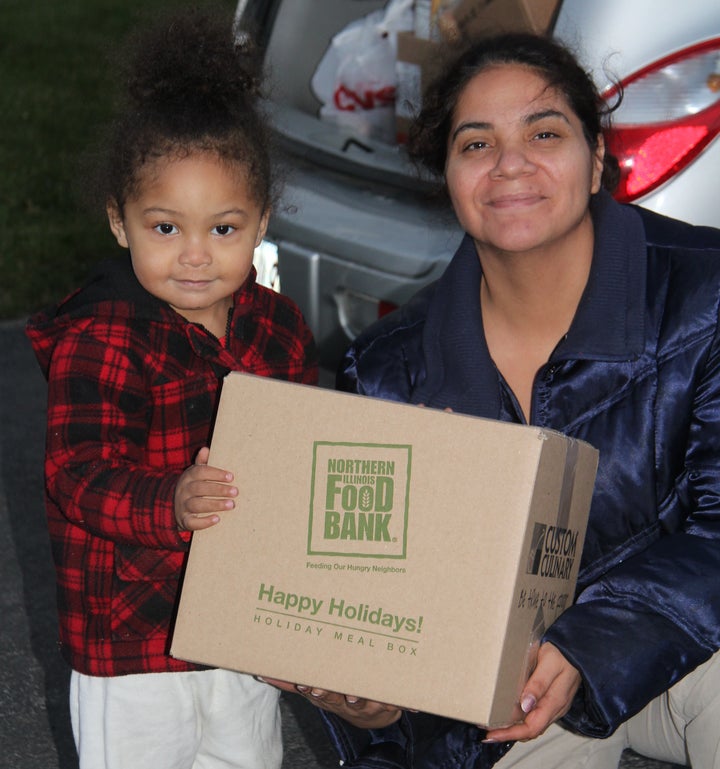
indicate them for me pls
(670, 113)
(385, 307)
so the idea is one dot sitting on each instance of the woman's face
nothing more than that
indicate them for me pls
(519, 170)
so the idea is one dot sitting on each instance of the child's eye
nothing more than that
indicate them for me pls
(165, 228)
(223, 229)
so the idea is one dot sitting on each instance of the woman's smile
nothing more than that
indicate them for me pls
(515, 200)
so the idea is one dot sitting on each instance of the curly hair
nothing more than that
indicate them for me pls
(428, 134)
(189, 86)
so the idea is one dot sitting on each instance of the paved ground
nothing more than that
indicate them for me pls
(34, 723)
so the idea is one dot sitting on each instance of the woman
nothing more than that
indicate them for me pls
(564, 309)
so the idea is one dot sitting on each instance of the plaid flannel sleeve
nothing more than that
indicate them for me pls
(97, 425)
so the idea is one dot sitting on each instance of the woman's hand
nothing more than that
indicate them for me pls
(201, 493)
(547, 696)
(364, 714)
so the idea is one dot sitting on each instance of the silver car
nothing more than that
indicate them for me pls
(357, 233)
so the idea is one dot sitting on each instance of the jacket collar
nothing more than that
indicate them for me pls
(608, 325)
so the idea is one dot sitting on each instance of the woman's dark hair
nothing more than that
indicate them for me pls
(429, 132)
(190, 86)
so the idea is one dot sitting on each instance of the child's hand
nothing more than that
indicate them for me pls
(201, 493)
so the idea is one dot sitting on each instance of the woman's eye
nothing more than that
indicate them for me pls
(546, 135)
(223, 229)
(476, 145)
(165, 228)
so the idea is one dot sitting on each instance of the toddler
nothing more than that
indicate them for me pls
(134, 361)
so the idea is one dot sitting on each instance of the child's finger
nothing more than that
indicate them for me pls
(200, 489)
(211, 501)
(200, 473)
(197, 522)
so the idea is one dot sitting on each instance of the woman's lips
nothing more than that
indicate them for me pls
(519, 200)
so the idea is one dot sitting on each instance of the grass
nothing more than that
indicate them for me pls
(57, 86)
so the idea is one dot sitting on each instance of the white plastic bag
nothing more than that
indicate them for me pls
(355, 80)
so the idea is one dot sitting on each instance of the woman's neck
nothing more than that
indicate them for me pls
(528, 302)
(536, 292)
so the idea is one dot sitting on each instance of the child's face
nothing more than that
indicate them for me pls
(192, 231)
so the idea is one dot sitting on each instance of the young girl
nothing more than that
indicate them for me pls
(134, 362)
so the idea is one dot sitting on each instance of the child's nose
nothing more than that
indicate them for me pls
(195, 253)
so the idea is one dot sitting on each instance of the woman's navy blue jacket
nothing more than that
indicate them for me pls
(638, 377)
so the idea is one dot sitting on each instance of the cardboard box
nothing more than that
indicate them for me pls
(473, 18)
(403, 554)
(418, 61)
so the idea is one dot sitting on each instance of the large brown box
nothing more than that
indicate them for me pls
(402, 554)
(471, 18)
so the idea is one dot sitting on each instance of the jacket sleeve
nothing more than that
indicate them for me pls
(383, 362)
(660, 643)
(390, 380)
(666, 599)
(417, 741)
(98, 411)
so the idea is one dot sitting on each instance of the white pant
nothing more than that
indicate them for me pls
(681, 726)
(199, 720)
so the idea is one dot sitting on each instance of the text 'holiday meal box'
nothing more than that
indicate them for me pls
(402, 554)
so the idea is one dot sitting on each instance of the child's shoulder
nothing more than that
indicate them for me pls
(277, 308)
(279, 331)
(104, 313)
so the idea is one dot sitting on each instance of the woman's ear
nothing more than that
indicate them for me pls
(598, 161)
(116, 222)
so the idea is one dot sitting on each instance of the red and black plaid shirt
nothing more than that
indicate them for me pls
(132, 391)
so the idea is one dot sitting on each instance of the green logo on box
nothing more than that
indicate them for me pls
(359, 499)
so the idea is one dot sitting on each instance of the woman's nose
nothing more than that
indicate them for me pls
(511, 160)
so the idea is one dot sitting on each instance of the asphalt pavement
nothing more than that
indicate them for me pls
(34, 721)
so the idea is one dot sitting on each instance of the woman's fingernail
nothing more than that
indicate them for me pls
(527, 703)
(303, 689)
